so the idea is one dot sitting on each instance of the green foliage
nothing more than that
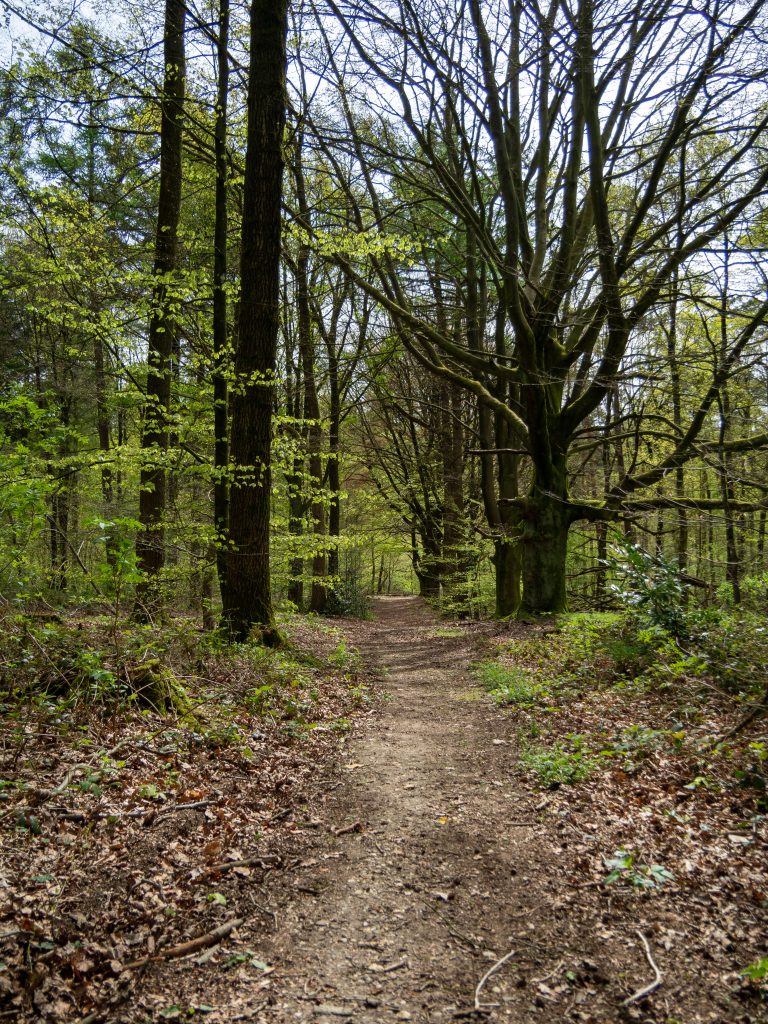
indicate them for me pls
(624, 866)
(557, 765)
(510, 685)
(347, 595)
(758, 971)
(754, 593)
(117, 574)
(648, 584)
(448, 632)
(45, 658)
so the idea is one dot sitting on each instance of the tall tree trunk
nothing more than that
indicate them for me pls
(318, 597)
(732, 568)
(294, 480)
(105, 446)
(247, 598)
(427, 565)
(150, 542)
(334, 469)
(220, 325)
(674, 370)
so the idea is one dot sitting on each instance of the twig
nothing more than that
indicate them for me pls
(646, 991)
(357, 827)
(379, 969)
(486, 976)
(758, 710)
(192, 946)
(195, 806)
(48, 794)
(466, 939)
(152, 814)
(552, 973)
(260, 862)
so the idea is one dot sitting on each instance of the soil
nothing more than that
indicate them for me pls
(424, 860)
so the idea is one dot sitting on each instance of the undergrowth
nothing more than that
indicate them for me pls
(684, 694)
(68, 670)
(509, 684)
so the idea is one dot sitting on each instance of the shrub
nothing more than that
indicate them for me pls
(648, 584)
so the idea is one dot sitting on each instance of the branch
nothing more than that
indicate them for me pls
(646, 991)
(192, 946)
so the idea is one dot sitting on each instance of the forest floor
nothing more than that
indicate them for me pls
(414, 872)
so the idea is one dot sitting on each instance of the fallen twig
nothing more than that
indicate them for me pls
(357, 827)
(249, 862)
(485, 977)
(151, 814)
(380, 969)
(646, 991)
(194, 806)
(466, 939)
(192, 946)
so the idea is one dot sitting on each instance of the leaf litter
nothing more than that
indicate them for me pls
(251, 880)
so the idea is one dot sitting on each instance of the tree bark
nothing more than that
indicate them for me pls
(318, 595)
(220, 325)
(150, 542)
(247, 598)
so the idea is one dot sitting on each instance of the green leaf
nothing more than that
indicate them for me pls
(758, 971)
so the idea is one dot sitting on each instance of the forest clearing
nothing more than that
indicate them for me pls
(383, 511)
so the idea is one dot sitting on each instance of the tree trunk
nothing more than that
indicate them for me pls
(334, 469)
(429, 563)
(454, 539)
(150, 542)
(247, 598)
(220, 325)
(295, 483)
(544, 549)
(506, 563)
(318, 598)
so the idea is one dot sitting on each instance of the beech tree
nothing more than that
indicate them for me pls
(247, 595)
(554, 134)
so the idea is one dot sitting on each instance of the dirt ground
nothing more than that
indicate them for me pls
(426, 881)
(429, 863)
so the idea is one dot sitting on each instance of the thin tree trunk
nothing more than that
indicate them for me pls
(732, 568)
(220, 325)
(318, 597)
(150, 542)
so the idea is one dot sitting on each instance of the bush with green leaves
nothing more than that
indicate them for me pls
(650, 585)
(625, 866)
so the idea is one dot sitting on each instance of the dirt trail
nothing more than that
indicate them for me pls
(430, 856)
(401, 921)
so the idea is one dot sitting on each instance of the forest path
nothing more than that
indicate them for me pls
(400, 921)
